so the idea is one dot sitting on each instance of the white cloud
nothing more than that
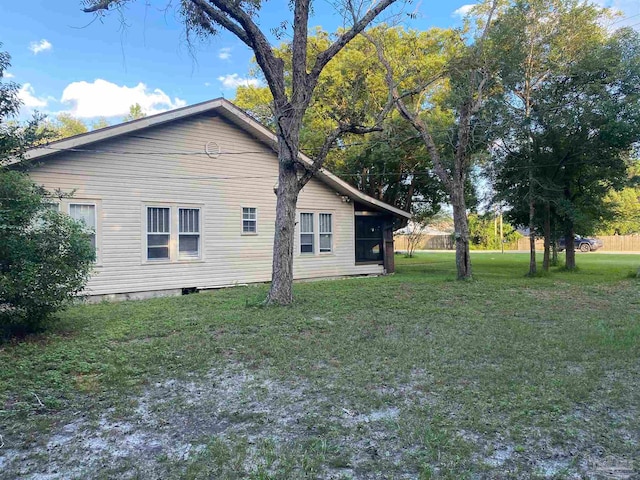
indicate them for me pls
(224, 54)
(28, 97)
(8, 75)
(207, 84)
(41, 46)
(464, 10)
(233, 80)
(105, 99)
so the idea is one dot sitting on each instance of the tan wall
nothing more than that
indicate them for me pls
(614, 243)
(122, 183)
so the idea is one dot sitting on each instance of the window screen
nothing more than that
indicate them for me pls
(189, 232)
(326, 232)
(85, 214)
(306, 233)
(158, 232)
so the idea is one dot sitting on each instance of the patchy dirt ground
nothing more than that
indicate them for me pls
(174, 422)
(235, 423)
(413, 376)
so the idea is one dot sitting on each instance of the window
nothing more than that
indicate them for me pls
(84, 213)
(47, 207)
(326, 233)
(188, 232)
(158, 233)
(249, 220)
(306, 233)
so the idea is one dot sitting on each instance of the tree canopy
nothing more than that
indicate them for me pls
(391, 164)
(568, 115)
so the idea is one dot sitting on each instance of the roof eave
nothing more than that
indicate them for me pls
(230, 112)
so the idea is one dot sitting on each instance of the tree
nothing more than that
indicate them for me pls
(99, 123)
(66, 125)
(588, 119)
(135, 112)
(533, 40)
(392, 164)
(417, 227)
(45, 257)
(291, 99)
(447, 129)
(486, 234)
(625, 205)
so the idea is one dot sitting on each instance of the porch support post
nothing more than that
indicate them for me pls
(388, 255)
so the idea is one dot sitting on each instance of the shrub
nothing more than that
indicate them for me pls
(45, 256)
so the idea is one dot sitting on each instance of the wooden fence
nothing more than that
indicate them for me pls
(426, 242)
(612, 243)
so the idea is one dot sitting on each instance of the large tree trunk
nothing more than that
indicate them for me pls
(281, 292)
(570, 262)
(547, 237)
(532, 237)
(461, 226)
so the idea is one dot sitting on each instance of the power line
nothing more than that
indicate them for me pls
(425, 172)
(623, 19)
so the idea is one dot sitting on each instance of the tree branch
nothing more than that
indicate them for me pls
(396, 98)
(311, 170)
(272, 66)
(300, 95)
(324, 57)
(221, 19)
(103, 5)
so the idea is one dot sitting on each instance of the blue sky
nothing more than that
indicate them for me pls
(66, 62)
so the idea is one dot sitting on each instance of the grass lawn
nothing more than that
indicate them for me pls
(415, 375)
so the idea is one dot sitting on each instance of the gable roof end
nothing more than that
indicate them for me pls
(227, 110)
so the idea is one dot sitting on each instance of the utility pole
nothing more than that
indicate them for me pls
(501, 231)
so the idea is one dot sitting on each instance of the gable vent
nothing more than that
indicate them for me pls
(212, 149)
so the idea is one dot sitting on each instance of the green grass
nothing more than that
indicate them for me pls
(414, 375)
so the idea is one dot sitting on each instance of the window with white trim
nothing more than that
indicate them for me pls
(188, 233)
(158, 233)
(47, 207)
(249, 220)
(325, 231)
(306, 233)
(84, 213)
(52, 207)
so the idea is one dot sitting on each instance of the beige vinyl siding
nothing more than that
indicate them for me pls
(126, 174)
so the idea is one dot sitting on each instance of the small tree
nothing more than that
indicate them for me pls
(415, 231)
(45, 257)
(448, 98)
(101, 122)
(135, 112)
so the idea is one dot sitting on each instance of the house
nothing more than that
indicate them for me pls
(185, 200)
